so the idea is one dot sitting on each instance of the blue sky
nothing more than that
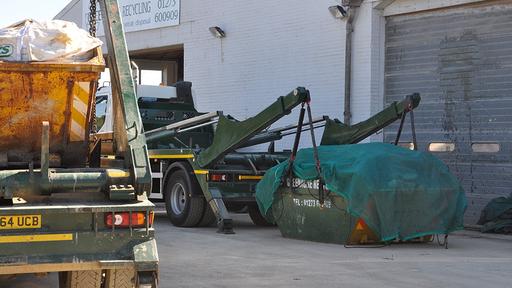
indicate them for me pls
(15, 10)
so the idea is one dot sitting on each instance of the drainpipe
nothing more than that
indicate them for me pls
(353, 5)
(348, 66)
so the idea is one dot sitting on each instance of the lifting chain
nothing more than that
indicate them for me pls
(92, 31)
(92, 18)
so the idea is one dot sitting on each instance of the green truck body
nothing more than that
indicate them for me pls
(62, 208)
(196, 166)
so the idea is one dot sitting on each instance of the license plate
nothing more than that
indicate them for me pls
(20, 221)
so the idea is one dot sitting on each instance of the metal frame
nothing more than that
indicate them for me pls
(128, 130)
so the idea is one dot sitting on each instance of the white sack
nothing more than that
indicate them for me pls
(54, 40)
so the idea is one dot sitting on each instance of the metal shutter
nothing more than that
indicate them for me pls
(460, 60)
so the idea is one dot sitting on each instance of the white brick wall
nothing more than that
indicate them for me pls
(270, 48)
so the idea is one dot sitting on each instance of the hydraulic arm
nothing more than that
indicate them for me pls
(128, 130)
(231, 134)
(337, 133)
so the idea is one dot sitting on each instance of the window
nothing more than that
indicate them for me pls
(485, 147)
(104, 78)
(441, 147)
(151, 77)
(406, 145)
(101, 111)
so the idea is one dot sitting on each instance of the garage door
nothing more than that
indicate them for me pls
(460, 60)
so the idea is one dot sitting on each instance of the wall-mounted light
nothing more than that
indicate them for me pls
(338, 11)
(217, 32)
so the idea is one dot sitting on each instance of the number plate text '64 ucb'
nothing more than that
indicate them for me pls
(20, 221)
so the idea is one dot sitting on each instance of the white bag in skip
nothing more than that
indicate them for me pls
(54, 40)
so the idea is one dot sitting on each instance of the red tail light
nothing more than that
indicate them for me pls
(218, 177)
(122, 219)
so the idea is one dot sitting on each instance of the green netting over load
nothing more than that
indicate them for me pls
(399, 193)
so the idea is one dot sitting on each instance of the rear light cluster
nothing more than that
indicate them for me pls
(122, 219)
(218, 177)
(229, 177)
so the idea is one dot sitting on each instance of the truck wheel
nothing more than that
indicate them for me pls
(120, 278)
(183, 209)
(80, 279)
(256, 217)
(208, 217)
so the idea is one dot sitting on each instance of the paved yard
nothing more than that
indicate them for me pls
(260, 257)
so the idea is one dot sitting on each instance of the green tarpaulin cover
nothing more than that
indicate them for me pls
(399, 193)
(497, 216)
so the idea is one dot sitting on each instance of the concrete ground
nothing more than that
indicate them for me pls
(260, 257)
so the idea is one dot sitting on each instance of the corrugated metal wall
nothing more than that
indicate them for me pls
(460, 60)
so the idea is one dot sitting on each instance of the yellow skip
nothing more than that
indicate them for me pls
(36, 238)
(173, 156)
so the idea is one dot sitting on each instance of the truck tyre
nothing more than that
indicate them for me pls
(80, 279)
(120, 278)
(208, 216)
(183, 208)
(257, 218)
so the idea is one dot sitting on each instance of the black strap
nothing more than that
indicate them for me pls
(399, 133)
(289, 173)
(321, 196)
(413, 130)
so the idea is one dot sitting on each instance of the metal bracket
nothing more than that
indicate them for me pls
(214, 198)
(122, 193)
(224, 221)
(45, 151)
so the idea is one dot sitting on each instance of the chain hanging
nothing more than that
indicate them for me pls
(92, 18)
(92, 31)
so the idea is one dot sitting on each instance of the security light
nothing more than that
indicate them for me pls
(338, 11)
(217, 32)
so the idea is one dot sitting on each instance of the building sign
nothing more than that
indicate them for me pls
(139, 14)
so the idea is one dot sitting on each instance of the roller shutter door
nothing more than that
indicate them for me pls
(460, 60)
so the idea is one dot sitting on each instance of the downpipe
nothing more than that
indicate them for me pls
(347, 114)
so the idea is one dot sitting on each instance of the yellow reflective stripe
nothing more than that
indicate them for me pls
(173, 156)
(79, 110)
(36, 238)
(82, 91)
(249, 177)
(117, 174)
(201, 172)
